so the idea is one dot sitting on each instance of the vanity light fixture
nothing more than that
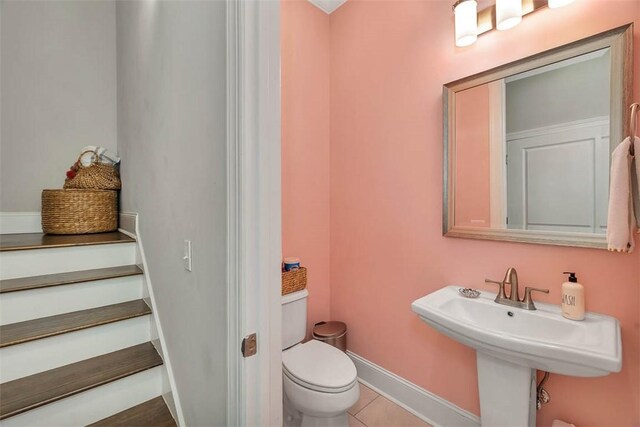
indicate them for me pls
(554, 4)
(503, 15)
(508, 14)
(466, 21)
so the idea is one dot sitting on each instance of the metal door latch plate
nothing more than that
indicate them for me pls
(249, 345)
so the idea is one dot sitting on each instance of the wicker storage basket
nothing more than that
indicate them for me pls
(79, 211)
(96, 176)
(294, 280)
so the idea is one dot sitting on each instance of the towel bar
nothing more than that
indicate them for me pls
(633, 121)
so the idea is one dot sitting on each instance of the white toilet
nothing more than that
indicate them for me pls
(319, 381)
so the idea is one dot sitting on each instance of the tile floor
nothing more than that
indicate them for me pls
(373, 410)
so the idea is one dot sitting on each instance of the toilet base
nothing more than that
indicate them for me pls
(337, 421)
(300, 420)
(294, 418)
(291, 416)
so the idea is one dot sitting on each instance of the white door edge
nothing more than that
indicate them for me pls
(254, 212)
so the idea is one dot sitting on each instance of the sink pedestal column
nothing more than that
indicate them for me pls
(507, 393)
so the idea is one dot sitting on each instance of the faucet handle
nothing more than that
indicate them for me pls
(501, 293)
(527, 301)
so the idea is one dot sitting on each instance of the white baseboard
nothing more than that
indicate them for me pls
(128, 223)
(20, 222)
(420, 402)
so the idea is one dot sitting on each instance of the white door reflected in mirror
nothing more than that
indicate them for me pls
(532, 149)
(527, 145)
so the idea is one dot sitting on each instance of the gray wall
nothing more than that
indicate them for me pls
(171, 136)
(576, 92)
(58, 92)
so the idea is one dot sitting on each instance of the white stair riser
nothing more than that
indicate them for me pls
(20, 360)
(36, 262)
(95, 404)
(32, 304)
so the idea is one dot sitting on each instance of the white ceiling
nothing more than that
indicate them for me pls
(328, 5)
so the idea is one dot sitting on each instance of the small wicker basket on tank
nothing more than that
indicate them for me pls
(75, 211)
(294, 280)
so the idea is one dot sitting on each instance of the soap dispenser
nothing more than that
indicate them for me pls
(572, 298)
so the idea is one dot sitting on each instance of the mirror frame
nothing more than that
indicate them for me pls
(620, 41)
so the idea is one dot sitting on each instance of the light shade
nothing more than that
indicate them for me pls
(558, 3)
(466, 18)
(508, 13)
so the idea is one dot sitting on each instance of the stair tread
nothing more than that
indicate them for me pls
(20, 332)
(152, 413)
(35, 282)
(16, 242)
(30, 392)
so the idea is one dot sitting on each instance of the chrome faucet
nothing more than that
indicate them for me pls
(513, 300)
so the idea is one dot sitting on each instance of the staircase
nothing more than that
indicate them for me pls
(77, 338)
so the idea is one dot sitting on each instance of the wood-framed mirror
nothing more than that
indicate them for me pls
(527, 145)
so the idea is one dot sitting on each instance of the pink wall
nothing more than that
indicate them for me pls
(389, 60)
(305, 146)
(472, 193)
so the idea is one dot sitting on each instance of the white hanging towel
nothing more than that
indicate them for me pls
(621, 221)
(105, 155)
(635, 182)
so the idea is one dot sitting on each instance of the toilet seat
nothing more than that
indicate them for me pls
(318, 366)
(316, 387)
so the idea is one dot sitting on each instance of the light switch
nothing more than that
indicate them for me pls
(187, 255)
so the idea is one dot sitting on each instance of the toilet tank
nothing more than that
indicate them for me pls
(294, 318)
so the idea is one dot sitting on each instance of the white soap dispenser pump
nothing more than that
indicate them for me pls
(572, 298)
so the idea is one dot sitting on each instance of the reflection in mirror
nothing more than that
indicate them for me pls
(527, 144)
(532, 149)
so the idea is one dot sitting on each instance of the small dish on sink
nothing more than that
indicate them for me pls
(469, 293)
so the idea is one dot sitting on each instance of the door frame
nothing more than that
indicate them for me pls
(254, 237)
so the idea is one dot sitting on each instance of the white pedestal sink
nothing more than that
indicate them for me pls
(512, 343)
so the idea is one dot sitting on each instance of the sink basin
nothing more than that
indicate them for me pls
(539, 339)
(512, 343)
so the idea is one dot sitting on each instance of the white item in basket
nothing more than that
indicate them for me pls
(104, 155)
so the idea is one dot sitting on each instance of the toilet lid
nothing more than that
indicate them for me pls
(319, 366)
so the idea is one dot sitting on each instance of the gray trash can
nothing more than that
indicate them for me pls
(333, 333)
